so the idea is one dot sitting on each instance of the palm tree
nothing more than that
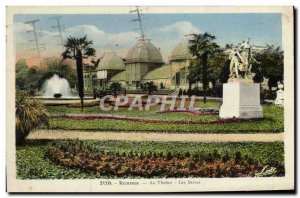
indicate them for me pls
(149, 86)
(203, 48)
(114, 87)
(78, 49)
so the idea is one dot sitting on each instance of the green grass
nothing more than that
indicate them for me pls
(144, 114)
(271, 123)
(33, 164)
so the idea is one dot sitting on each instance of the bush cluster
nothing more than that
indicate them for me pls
(30, 114)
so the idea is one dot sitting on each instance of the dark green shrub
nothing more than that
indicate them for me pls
(30, 114)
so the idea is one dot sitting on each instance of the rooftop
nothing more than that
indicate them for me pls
(119, 77)
(144, 51)
(110, 61)
(181, 50)
(159, 73)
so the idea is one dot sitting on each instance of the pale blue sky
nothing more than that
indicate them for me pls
(164, 30)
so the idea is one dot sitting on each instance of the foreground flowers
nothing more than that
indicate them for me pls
(151, 162)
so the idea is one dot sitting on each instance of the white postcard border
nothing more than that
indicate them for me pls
(206, 184)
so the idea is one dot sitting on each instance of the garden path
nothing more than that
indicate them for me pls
(162, 137)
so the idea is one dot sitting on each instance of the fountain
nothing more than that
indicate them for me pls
(56, 87)
(57, 90)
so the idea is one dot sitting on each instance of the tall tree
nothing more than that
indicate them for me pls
(27, 78)
(270, 65)
(203, 48)
(21, 74)
(216, 66)
(193, 76)
(78, 49)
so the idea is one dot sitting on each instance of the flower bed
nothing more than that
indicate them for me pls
(156, 163)
(128, 104)
(146, 120)
(85, 104)
(192, 111)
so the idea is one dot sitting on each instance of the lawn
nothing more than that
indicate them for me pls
(272, 122)
(112, 159)
(32, 164)
(152, 113)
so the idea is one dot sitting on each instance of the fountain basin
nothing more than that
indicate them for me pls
(57, 95)
(62, 98)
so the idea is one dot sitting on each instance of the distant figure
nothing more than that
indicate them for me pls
(179, 92)
(162, 85)
(94, 93)
(125, 90)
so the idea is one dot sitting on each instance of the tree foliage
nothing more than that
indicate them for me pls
(60, 67)
(270, 65)
(203, 48)
(26, 77)
(149, 87)
(217, 65)
(31, 79)
(115, 87)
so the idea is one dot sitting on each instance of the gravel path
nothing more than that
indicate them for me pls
(163, 137)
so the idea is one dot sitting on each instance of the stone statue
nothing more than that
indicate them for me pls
(241, 96)
(280, 95)
(241, 62)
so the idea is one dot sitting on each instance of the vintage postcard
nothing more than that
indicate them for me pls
(150, 99)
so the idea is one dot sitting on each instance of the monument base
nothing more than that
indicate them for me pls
(241, 100)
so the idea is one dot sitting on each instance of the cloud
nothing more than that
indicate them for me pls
(102, 40)
(180, 28)
(169, 36)
(91, 31)
(20, 35)
(164, 38)
(24, 39)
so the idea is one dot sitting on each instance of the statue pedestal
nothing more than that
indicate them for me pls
(241, 100)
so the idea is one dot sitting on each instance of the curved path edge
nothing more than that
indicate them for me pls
(159, 137)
